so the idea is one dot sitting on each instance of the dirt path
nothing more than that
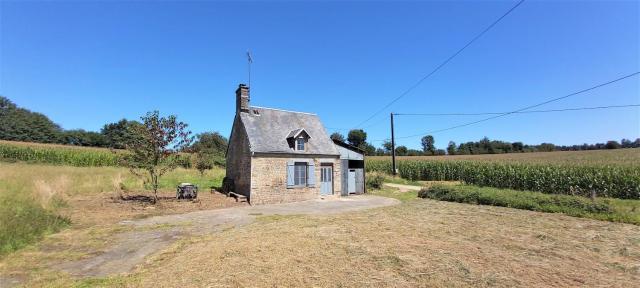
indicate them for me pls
(154, 234)
(403, 187)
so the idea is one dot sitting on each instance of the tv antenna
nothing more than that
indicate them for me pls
(249, 61)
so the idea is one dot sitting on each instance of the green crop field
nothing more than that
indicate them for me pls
(606, 173)
(11, 151)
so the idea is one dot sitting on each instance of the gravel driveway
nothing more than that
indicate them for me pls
(154, 234)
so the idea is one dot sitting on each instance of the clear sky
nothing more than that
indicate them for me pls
(88, 63)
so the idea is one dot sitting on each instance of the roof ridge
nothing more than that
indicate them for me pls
(284, 110)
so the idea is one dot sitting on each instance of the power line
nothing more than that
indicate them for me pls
(369, 126)
(521, 112)
(525, 108)
(442, 64)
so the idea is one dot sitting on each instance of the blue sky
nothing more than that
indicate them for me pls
(88, 63)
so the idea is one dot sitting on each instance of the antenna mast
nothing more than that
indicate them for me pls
(249, 61)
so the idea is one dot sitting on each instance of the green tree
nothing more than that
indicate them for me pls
(546, 147)
(210, 142)
(210, 148)
(401, 150)
(119, 134)
(612, 145)
(357, 137)
(517, 146)
(19, 124)
(428, 145)
(386, 145)
(80, 137)
(451, 148)
(369, 149)
(154, 149)
(337, 136)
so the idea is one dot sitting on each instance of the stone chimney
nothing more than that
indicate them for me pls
(242, 98)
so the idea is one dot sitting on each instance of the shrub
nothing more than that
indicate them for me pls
(374, 180)
(603, 209)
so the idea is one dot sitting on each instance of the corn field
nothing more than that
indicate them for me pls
(605, 180)
(54, 154)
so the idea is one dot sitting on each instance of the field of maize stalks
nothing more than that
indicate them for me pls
(584, 179)
(57, 154)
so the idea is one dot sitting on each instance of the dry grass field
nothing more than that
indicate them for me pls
(629, 156)
(419, 243)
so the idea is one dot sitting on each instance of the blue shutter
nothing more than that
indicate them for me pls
(311, 175)
(290, 174)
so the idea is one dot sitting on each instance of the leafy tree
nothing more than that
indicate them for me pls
(369, 149)
(546, 147)
(428, 145)
(210, 142)
(19, 124)
(357, 137)
(155, 147)
(401, 150)
(337, 136)
(414, 152)
(440, 152)
(387, 146)
(119, 134)
(451, 148)
(80, 137)
(210, 148)
(517, 146)
(612, 145)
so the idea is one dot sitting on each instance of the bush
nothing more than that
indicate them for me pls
(374, 180)
(602, 209)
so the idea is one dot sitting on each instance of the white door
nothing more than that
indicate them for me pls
(351, 181)
(326, 180)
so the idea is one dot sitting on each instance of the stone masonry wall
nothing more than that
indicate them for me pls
(269, 181)
(239, 159)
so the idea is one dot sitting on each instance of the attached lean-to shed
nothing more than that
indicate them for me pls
(352, 163)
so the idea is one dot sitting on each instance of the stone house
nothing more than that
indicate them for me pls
(277, 156)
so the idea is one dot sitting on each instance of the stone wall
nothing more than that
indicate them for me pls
(239, 159)
(269, 181)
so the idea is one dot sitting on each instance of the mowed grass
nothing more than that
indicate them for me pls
(36, 199)
(419, 243)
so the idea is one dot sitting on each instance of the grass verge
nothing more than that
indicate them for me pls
(24, 221)
(615, 210)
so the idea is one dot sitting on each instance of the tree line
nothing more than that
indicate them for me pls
(20, 124)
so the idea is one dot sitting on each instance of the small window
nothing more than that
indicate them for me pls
(300, 144)
(300, 174)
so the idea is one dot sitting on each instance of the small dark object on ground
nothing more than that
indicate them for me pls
(187, 191)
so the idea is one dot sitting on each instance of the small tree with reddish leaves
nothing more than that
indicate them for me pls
(156, 147)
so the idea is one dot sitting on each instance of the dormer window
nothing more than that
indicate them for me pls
(297, 139)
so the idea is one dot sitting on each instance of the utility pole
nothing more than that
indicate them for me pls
(393, 149)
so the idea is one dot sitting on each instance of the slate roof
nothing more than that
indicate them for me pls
(269, 128)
